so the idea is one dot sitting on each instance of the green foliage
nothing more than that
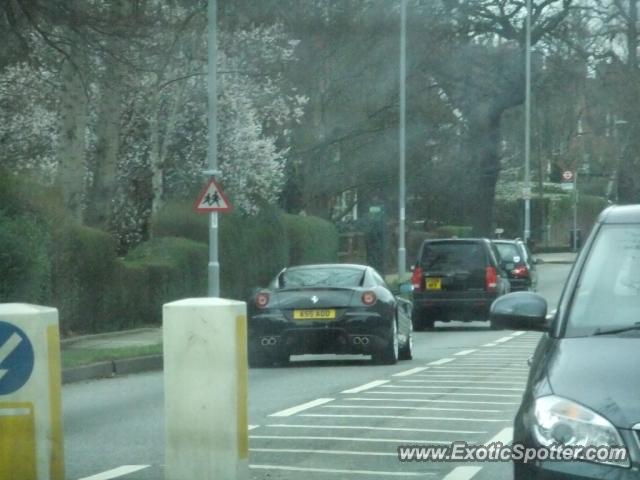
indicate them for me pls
(447, 231)
(83, 266)
(25, 271)
(157, 272)
(311, 239)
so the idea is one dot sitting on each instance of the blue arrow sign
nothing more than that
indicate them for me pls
(16, 358)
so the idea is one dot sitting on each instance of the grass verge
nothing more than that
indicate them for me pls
(76, 357)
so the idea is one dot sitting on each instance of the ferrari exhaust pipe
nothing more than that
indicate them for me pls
(365, 340)
(268, 341)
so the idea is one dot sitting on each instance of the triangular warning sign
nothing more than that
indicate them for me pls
(212, 199)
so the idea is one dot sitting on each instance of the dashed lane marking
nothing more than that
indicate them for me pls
(385, 429)
(405, 407)
(116, 472)
(428, 400)
(464, 352)
(503, 339)
(341, 472)
(462, 473)
(454, 394)
(299, 408)
(366, 386)
(325, 452)
(412, 371)
(401, 441)
(442, 361)
(404, 417)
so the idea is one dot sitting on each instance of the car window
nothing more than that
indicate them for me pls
(608, 290)
(453, 256)
(509, 252)
(321, 277)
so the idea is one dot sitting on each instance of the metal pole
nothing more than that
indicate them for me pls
(575, 211)
(402, 252)
(212, 117)
(527, 128)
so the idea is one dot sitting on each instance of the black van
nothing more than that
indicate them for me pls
(456, 279)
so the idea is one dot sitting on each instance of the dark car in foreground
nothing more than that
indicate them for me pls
(456, 279)
(584, 383)
(328, 308)
(519, 264)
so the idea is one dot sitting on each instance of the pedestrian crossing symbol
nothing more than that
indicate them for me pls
(212, 199)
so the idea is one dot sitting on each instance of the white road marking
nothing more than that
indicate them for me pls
(464, 352)
(517, 334)
(404, 417)
(489, 345)
(497, 367)
(386, 429)
(293, 410)
(406, 373)
(253, 427)
(428, 400)
(366, 386)
(401, 407)
(462, 473)
(484, 368)
(442, 361)
(341, 472)
(427, 387)
(455, 394)
(7, 349)
(401, 441)
(325, 452)
(116, 472)
(503, 339)
(505, 436)
(467, 382)
(481, 375)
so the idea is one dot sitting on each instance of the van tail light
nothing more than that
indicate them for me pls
(369, 298)
(416, 279)
(520, 272)
(491, 279)
(262, 300)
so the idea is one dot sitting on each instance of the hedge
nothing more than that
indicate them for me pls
(48, 259)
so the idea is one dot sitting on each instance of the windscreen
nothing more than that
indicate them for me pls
(321, 277)
(608, 291)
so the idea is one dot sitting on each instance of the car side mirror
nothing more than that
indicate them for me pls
(520, 311)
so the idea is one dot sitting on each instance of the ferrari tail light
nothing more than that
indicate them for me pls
(369, 298)
(491, 279)
(520, 272)
(262, 300)
(416, 278)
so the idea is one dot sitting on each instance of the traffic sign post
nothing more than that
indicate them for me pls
(213, 200)
(31, 445)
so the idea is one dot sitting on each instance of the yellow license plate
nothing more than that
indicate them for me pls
(434, 284)
(326, 314)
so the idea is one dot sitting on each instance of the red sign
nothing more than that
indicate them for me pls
(212, 199)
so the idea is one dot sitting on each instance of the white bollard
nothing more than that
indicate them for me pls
(205, 385)
(31, 444)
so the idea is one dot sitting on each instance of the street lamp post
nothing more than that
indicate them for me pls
(402, 251)
(212, 151)
(527, 128)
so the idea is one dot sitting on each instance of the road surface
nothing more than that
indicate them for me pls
(330, 417)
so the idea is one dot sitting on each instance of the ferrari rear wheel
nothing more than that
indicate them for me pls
(406, 352)
(389, 353)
